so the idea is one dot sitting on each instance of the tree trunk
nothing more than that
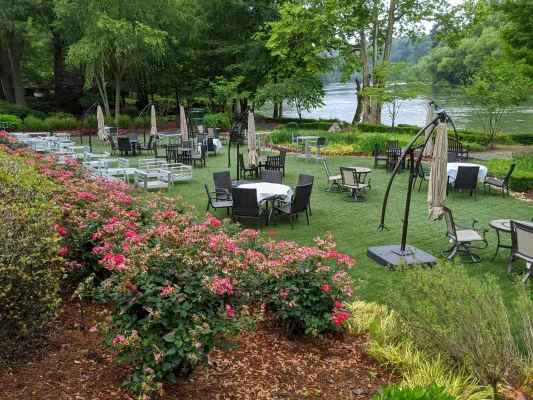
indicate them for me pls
(14, 65)
(5, 79)
(118, 78)
(103, 91)
(275, 114)
(280, 110)
(366, 78)
(360, 102)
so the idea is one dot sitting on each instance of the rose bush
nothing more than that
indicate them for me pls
(182, 283)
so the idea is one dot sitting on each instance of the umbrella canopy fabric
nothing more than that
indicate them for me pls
(439, 174)
(183, 124)
(253, 159)
(102, 135)
(153, 122)
(428, 150)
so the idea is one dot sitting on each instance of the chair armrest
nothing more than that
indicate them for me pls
(466, 219)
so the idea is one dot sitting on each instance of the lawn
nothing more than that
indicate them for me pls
(354, 225)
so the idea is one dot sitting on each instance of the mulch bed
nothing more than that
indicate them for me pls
(263, 366)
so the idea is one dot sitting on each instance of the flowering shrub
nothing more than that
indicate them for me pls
(9, 141)
(182, 283)
(29, 260)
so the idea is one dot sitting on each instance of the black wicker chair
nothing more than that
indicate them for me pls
(245, 168)
(124, 145)
(211, 146)
(149, 148)
(466, 180)
(282, 157)
(114, 146)
(273, 163)
(223, 185)
(200, 156)
(378, 158)
(245, 204)
(502, 183)
(299, 203)
(392, 144)
(272, 177)
(304, 179)
(227, 204)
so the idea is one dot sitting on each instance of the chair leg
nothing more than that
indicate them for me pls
(307, 216)
(290, 217)
(208, 203)
(310, 213)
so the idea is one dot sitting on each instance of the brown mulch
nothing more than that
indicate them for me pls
(263, 366)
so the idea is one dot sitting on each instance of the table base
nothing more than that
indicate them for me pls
(391, 256)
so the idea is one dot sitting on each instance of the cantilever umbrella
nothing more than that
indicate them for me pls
(428, 150)
(439, 173)
(153, 122)
(102, 135)
(253, 159)
(183, 124)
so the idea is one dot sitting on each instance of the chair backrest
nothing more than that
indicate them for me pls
(420, 171)
(200, 138)
(321, 141)
(245, 202)
(112, 142)
(466, 178)
(208, 192)
(376, 150)
(124, 144)
(273, 163)
(326, 168)
(210, 144)
(452, 156)
(301, 198)
(349, 177)
(394, 154)
(450, 225)
(511, 169)
(272, 177)
(522, 239)
(171, 152)
(241, 160)
(222, 180)
(186, 144)
(282, 156)
(113, 130)
(235, 134)
(392, 144)
(304, 179)
(210, 132)
(203, 150)
(133, 136)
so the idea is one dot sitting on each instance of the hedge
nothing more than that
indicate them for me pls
(13, 121)
(521, 181)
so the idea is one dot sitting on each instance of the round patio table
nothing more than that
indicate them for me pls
(454, 166)
(504, 225)
(269, 192)
(362, 173)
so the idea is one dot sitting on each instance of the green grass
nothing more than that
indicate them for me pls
(354, 225)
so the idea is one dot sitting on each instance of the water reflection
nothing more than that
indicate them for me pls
(341, 102)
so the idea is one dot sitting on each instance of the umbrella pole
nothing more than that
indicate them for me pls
(241, 117)
(408, 200)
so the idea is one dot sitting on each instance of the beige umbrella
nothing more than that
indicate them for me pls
(102, 135)
(253, 159)
(439, 173)
(183, 124)
(153, 121)
(429, 147)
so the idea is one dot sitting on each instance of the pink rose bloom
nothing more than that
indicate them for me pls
(272, 233)
(148, 309)
(93, 329)
(338, 304)
(229, 311)
(166, 290)
(63, 252)
(326, 287)
(198, 345)
(62, 231)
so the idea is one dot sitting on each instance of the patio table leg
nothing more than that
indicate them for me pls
(498, 246)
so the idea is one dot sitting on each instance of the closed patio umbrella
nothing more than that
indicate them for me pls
(102, 135)
(428, 150)
(183, 124)
(439, 173)
(253, 159)
(153, 121)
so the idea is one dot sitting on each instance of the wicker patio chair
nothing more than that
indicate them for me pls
(273, 163)
(211, 146)
(149, 147)
(304, 179)
(245, 204)
(282, 157)
(212, 202)
(200, 156)
(223, 185)
(466, 180)
(378, 158)
(350, 180)
(298, 204)
(463, 238)
(502, 183)
(244, 168)
(113, 144)
(124, 145)
(272, 177)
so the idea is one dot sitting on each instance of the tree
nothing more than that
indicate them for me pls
(518, 32)
(497, 86)
(403, 84)
(275, 92)
(304, 91)
(226, 90)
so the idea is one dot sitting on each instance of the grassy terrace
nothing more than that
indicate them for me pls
(354, 225)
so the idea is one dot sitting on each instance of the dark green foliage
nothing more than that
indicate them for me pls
(123, 121)
(29, 263)
(428, 392)
(14, 109)
(218, 120)
(523, 138)
(521, 181)
(319, 126)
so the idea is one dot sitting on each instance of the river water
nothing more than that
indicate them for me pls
(340, 102)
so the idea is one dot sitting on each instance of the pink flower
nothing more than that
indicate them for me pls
(326, 287)
(198, 345)
(338, 304)
(119, 339)
(62, 231)
(87, 377)
(93, 329)
(166, 290)
(272, 233)
(119, 259)
(133, 214)
(215, 222)
(148, 309)
(133, 299)
(343, 316)
(333, 254)
(129, 233)
(229, 311)
(157, 356)
(63, 252)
